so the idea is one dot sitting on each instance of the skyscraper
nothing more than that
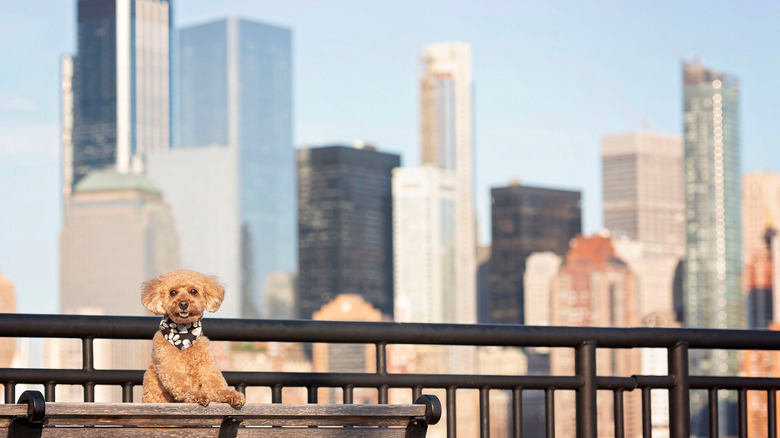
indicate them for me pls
(447, 142)
(712, 282)
(643, 189)
(118, 233)
(205, 213)
(424, 244)
(643, 202)
(345, 226)
(526, 220)
(236, 91)
(120, 85)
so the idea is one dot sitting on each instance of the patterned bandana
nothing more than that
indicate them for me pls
(181, 336)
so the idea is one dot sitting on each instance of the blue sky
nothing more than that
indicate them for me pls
(550, 79)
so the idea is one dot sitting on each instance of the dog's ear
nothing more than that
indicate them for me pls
(213, 292)
(151, 296)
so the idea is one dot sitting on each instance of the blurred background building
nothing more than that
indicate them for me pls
(118, 231)
(424, 244)
(712, 285)
(644, 209)
(447, 142)
(595, 288)
(346, 358)
(235, 91)
(120, 95)
(760, 215)
(201, 186)
(526, 220)
(345, 220)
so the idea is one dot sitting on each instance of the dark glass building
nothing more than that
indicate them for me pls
(235, 90)
(121, 85)
(345, 229)
(526, 220)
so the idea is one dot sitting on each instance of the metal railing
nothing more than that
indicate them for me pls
(585, 341)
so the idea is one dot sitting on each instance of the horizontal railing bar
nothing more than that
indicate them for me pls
(370, 380)
(723, 382)
(613, 383)
(128, 327)
(660, 382)
(270, 379)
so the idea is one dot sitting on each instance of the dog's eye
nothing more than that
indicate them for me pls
(194, 292)
(173, 292)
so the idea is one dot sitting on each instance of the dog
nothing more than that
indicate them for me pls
(183, 368)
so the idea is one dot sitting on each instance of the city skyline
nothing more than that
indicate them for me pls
(566, 93)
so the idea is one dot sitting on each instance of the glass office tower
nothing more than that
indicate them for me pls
(713, 291)
(120, 85)
(526, 220)
(712, 282)
(346, 226)
(235, 91)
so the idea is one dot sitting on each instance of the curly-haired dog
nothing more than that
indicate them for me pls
(183, 367)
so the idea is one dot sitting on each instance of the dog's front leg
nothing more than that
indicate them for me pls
(180, 385)
(175, 374)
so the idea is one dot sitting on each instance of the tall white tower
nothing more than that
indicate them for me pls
(447, 142)
(424, 244)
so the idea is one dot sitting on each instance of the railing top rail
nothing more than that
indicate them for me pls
(142, 327)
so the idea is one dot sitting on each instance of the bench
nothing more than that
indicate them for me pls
(32, 417)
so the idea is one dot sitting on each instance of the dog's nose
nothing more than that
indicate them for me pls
(183, 305)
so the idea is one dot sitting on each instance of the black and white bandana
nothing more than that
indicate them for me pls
(181, 336)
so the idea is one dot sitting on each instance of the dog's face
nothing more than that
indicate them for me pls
(183, 295)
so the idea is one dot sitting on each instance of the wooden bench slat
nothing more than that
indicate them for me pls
(221, 410)
(59, 413)
(172, 432)
(196, 422)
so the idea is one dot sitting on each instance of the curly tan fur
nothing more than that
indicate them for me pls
(191, 375)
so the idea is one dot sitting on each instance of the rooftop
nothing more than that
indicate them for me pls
(111, 180)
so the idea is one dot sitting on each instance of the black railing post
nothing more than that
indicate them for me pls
(647, 414)
(451, 412)
(276, 393)
(679, 394)
(416, 392)
(617, 409)
(10, 392)
(88, 364)
(51, 391)
(517, 412)
(127, 393)
(484, 412)
(585, 369)
(381, 369)
(743, 413)
(771, 409)
(312, 392)
(347, 394)
(549, 413)
(712, 393)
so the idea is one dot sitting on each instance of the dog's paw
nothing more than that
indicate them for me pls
(233, 398)
(198, 397)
